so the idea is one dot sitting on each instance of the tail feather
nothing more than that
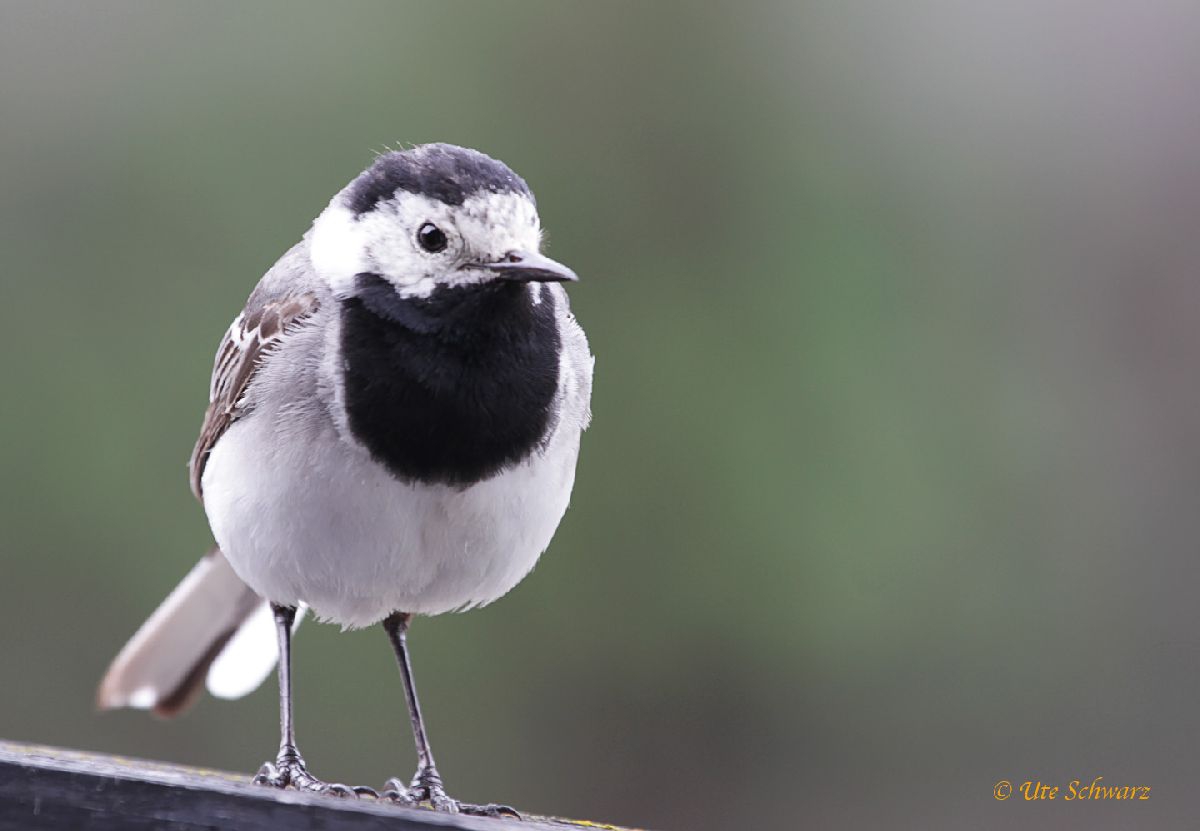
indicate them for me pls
(165, 662)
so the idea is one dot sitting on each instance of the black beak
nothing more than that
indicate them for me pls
(530, 267)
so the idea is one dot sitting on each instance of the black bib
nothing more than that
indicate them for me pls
(452, 388)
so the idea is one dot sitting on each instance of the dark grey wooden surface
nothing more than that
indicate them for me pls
(44, 787)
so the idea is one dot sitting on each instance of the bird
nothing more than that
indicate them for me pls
(393, 426)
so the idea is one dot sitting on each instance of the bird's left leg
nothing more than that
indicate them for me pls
(426, 785)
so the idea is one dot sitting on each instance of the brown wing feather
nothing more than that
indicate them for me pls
(250, 340)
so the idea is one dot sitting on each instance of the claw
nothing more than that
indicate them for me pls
(426, 786)
(492, 809)
(289, 769)
(396, 787)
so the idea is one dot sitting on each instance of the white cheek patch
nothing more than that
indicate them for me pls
(391, 232)
(344, 245)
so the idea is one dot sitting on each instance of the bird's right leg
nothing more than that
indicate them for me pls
(426, 785)
(288, 767)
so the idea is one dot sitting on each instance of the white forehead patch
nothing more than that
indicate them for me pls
(495, 223)
(484, 228)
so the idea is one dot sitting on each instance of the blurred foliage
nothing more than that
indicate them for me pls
(891, 489)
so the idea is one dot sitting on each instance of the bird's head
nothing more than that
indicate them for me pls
(436, 216)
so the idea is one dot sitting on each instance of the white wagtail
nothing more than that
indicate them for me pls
(393, 426)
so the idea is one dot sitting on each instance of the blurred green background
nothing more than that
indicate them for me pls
(891, 491)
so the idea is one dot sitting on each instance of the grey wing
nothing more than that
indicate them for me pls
(255, 334)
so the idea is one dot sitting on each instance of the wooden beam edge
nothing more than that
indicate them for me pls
(49, 787)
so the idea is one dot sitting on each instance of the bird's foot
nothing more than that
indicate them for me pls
(289, 769)
(427, 786)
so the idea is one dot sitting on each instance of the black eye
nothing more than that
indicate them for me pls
(431, 238)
